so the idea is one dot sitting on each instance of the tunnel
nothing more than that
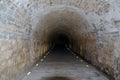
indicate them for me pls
(59, 39)
(62, 26)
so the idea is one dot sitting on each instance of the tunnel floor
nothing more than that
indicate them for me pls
(63, 64)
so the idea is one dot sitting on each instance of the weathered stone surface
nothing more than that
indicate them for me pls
(26, 25)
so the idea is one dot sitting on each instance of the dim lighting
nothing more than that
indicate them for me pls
(28, 73)
(36, 64)
(41, 60)
(44, 56)
(77, 57)
(81, 60)
(87, 65)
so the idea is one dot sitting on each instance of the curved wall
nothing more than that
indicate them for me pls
(26, 27)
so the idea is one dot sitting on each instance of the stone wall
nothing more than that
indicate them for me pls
(25, 26)
(17, 53)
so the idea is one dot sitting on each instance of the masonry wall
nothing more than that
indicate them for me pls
(20, 46)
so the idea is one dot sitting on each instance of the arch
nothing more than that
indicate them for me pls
(66, 19)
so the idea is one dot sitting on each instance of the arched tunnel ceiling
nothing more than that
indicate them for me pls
(27, 24)
(69, 20)
(74, 23)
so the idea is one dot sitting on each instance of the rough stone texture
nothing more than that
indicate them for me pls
(26, 25)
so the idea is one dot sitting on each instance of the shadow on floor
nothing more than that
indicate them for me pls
(56, 78)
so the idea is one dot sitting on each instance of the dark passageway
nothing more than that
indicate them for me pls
(59, 41)
(60, 63)
(48, 39)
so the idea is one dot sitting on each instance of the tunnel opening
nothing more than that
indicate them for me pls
(61, 27)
